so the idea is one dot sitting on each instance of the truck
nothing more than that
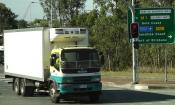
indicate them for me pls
(57, 60)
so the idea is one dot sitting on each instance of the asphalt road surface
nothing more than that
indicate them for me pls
(110, 96)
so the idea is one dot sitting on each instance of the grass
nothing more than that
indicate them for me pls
(142, 75)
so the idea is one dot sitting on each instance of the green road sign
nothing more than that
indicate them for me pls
(156, 25)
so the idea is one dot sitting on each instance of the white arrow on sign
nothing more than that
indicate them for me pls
(170, 36)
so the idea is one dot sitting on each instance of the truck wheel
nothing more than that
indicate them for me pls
(23, 88)
(54, 95)
(17, 86)
(94, 97)
(13, 84)
(26, 90)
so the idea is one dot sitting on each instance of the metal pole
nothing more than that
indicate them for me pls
(166, 66)
(134, 51)
(51, 14)
(133, 1)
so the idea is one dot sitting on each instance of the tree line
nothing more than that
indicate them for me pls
(107, 24)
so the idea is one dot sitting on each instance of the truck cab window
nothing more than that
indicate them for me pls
(54, 60)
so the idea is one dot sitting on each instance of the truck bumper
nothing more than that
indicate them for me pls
(80, 89)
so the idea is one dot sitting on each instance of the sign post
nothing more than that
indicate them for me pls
(134, 50)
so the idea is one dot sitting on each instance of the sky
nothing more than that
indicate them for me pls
(30, 11)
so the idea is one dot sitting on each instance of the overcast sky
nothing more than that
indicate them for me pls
(35, 11)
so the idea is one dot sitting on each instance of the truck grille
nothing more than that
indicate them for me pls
(80, 64)
(82, 89)
(88, 70)
(82, 79)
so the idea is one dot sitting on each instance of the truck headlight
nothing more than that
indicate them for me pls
(96, 79)
(68, 81)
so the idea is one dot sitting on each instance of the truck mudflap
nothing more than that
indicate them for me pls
(80, 88)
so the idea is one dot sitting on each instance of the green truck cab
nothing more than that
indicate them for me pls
(75, 71)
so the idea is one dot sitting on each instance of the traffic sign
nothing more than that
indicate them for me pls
(156, 25)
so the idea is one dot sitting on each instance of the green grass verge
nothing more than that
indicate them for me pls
(129, 74)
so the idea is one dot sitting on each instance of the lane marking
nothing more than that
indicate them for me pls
(164, 102)
(147, 103)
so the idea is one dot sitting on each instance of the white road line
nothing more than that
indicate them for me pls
(147, 103)
(164, 102)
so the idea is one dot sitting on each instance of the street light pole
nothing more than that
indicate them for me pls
(27, 10)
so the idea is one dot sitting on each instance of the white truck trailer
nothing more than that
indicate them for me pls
(54, 59)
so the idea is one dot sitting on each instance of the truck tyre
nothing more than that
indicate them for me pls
(17, 86)
(23, 88)
(54, 94)
(94, 97)
(26, 90)
(13, 84)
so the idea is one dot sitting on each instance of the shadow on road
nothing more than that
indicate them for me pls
(121, 96)
(129, 96)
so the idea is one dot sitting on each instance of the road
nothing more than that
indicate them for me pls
(110, 96)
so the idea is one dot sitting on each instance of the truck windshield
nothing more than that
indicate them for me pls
(80, 58)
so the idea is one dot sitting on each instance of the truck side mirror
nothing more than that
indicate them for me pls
(52, 62)
(53, 59)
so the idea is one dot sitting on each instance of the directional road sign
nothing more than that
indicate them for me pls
(156, 25)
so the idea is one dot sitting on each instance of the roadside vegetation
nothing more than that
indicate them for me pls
(144, 77)
(107, 23)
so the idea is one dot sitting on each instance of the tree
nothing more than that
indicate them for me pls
(155, 3)
(109, 34)
(85, 19)
(22, 24)
(62, 10)
(7, 18)
(39, 23)
(164, 2)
